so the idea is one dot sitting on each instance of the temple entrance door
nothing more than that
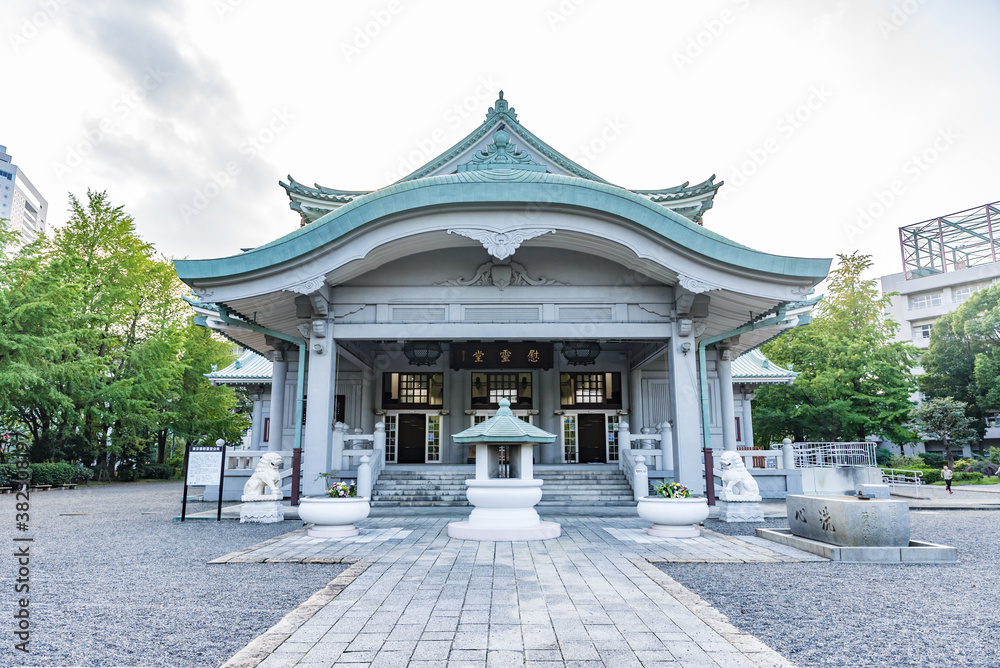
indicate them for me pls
(591, 436)
(411, 438)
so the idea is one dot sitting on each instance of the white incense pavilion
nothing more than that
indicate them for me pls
(504, 491)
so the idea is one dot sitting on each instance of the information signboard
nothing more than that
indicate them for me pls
(204, 465)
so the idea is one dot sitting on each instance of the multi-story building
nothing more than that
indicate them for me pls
(945, 261)
(20, 201)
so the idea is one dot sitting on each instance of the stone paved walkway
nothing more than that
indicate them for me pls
(415, 597)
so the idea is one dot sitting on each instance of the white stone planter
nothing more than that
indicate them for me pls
(333, 517)
(673, 518)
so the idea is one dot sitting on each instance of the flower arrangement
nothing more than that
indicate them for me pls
(342, 490)
(672, 490)
(338, 490)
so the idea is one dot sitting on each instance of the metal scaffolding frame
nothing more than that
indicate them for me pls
(949, 243)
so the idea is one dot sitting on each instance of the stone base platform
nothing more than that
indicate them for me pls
(468, 531)
(740, 511)
(917, 552)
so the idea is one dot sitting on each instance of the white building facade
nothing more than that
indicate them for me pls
(945, 261)
(503, 270)
(20, 201)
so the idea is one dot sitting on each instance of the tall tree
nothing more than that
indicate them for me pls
(963, 357)
(944, 419)
(97, 352)
(854, 379)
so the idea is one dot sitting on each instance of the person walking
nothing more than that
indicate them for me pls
(946, 473)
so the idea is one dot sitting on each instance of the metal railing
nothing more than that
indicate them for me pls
(902, 478)
(835, 454)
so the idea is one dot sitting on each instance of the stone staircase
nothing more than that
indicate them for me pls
(565, 486)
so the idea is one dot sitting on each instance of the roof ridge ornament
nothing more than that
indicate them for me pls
(501, 154)
(500, 107)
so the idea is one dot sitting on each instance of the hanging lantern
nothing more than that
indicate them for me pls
(581, 353)
(422, 353)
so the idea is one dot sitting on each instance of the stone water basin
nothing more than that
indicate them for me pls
(849, 521)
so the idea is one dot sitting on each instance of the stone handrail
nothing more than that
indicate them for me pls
(371, 461)
(664, 455)
(633, 465)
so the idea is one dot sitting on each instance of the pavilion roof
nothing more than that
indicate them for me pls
(249, 368)
(753, 367)
(504, 427)
(312, 203)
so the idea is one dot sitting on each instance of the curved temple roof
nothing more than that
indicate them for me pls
(502, 186)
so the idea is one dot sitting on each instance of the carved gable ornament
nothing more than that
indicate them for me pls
(501, 275)
(501, 154)
(501, 245)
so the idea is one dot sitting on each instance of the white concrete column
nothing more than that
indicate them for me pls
(278, 375)
(725, 368)
(456, 396)
(548, 403)
(257, 421)
(685, 406)
(317, 438)
(635, 400)
(367, 395)
(747, 423)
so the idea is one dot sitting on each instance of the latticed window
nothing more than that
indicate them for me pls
(962, 294)
(612, 422)
(489, 388)
(569, 439)
(412, 389)
(390, 437)
(433, 438)
(589, 388)
(925, 301)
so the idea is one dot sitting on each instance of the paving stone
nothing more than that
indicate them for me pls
(592, 597)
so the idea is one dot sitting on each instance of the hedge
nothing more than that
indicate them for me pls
(158, 471)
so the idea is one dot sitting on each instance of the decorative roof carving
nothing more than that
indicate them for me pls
(501, 107)
(501, 154)
(696, 286)
(501, 275)
(501, 245)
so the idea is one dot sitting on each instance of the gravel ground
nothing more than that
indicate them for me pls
(128, 586)
(832, 615)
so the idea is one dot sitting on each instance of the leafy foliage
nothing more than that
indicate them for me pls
(944, 419)
(99, 360)
(855, 380)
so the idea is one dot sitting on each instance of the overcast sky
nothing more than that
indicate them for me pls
(832, 123)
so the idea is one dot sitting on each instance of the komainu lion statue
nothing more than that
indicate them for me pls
(737, 483)
(266, 474)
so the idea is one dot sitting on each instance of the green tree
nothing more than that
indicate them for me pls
(944, 419)
(98, 356)
(854, 379)
(963, 358)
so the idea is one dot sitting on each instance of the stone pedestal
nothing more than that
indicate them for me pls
(261, 512)
(850, 521)
(740, 511)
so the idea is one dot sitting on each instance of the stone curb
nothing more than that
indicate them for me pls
(263, 645)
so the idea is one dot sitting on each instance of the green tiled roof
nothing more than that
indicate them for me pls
(504, 427)
(753, 365)
(505, 186)
(248, 368)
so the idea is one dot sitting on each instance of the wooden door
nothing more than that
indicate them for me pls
(411, 438)
(591, 436)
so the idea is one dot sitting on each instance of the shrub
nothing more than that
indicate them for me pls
(81, 473)
(7, 473)
(961, 465)
(967, 476)
(994, 455)
(988, 469)
(126, 475)
(157, 471)
(883, 456)
(904, 462)
(930, 476)
(934, 460)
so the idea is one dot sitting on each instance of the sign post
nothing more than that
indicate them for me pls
(204, 465)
